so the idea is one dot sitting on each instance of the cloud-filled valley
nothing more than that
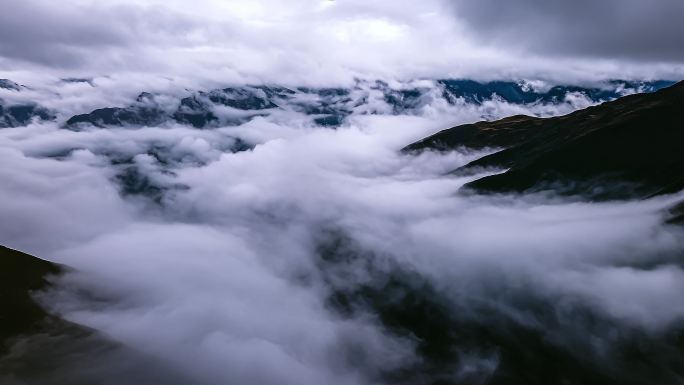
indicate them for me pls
(326, 255)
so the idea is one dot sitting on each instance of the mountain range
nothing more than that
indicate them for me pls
(324, 106)
(628, 148)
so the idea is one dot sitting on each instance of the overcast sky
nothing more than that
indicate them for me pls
(337, 40)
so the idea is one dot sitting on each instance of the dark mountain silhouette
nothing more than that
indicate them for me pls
(21, 275)
(627, 148)
(89, 81)
(9, 85)
(20, 114)
(496, 347)
(521, 93)
(38, 347)
(143, 112)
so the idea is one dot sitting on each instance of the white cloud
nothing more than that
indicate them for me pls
(226, 268)
(299, 42)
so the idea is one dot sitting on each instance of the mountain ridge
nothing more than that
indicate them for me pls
(326, 107)
(20, 276)
(331, 106)
(633, 140)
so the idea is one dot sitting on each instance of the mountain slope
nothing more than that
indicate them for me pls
(20, 113)
(20, 275)
(630, 147)
(37, 347)
(496, 348)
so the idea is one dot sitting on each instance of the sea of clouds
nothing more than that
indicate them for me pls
(218, 274)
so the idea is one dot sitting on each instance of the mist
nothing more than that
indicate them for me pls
(231, 270)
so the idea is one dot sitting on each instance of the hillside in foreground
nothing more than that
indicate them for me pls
(627, 148)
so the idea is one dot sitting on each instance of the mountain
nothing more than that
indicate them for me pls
(327, 107)
(37, 347)
(144, 112)
(331, 106)
(20, 114)
(9, 85)
(21, 275)
(525, 93)
(501, 350)
(627, 148)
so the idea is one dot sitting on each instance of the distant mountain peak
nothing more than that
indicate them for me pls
(9, 85)
(331, 106)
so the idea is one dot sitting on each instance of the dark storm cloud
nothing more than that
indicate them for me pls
(63, 35)
(49, 35)
(617, 29)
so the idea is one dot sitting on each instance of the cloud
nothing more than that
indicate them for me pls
(222, 277)
(72, 35)
(631, 30)
(333, 42)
